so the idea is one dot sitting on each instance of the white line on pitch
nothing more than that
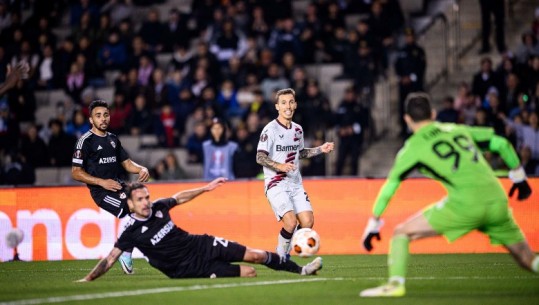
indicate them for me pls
(93, 296)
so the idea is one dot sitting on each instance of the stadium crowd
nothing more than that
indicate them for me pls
(227, 60)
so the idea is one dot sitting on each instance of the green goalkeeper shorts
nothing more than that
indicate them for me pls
(454, 220)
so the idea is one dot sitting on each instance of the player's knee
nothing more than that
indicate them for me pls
(255, 256)
(307, 223)
(247, 271)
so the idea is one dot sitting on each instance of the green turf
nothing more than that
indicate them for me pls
(432, 279)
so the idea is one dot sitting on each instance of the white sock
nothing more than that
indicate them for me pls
(397, 279)
(283, 245)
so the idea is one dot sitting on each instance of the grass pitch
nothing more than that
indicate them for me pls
(432, 279)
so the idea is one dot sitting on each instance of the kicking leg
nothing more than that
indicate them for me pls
(414, 228)
(524, 256)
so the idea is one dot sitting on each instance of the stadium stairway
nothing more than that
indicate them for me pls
(377, 159)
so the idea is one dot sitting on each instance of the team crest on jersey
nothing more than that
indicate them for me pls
(77, 154)
(123, 195)
(159, 214)
(113, 144)
(263, 138)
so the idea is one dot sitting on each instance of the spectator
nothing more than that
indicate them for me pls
(145, 70)
(75, 82)
(113, 54)
(286, 38)
(140, 121)
(173, 170)
(448, 114)
(166, 130)
(119, 112)
(194, 143)
(410, 68)
(497, 9)
(175, 30)
(47, 69)
(228, 43)
(484, 79)
(22, 102)
(314, 105)
(78, 125)
(16, 171)
(219, 153)
(152, 31)
(273, 81)
(228, 102)
(352, 124)
(529, 47)
(59, 143)
(33, 148)
(247, 143)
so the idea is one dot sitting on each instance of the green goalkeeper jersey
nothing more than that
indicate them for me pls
(450, 153)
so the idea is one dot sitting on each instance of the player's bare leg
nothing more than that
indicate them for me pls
(273, 261)
(285, 235)
(524, 256)
(306, 219)
(414, 228)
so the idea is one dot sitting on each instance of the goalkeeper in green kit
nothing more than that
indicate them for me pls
(475, 198)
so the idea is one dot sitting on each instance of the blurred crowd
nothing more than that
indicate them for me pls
(227, 59)
(504, 95)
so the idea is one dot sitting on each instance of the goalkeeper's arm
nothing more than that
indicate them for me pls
(103, 266)
(506, 151)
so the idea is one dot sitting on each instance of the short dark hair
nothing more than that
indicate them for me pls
(283, 92)
(133, 186)
(418, 106)
(97, 103)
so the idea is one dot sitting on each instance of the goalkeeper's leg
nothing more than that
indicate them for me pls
(415, 228)
(524, 256)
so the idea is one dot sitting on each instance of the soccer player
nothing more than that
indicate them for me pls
(475, 198)
(179, 254)
(99, 161)
(279, 149)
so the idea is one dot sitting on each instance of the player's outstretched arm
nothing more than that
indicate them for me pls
(187, 195)
(134, 168)
(103, 266)
(263, 159)
(311, 152)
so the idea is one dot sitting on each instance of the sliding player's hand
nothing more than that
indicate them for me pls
(518, 176)
(372, 230)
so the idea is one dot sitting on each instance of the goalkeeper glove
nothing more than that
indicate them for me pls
(518, 176)
(371, 230)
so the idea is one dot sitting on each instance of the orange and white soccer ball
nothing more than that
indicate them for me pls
(306, 242)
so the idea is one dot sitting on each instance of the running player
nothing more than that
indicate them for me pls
(99, 161)
(279, 149)
(179, 254)
(475, 198)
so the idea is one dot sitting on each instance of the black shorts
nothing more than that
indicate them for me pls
(212, 257)
(112, 202)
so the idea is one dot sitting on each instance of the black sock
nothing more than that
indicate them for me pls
(274, 262)
(285, 234)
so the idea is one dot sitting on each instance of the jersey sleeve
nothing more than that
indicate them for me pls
(165, 203)
(487, 139)
(405, 162)
(124, 242)
(81, 153)
(266, 141)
